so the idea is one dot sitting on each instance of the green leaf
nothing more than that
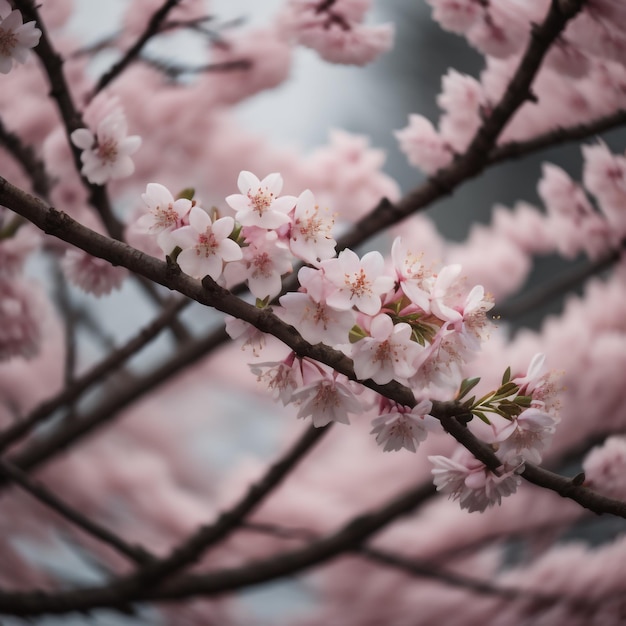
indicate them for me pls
(187, 193)
(261, 304)
(481, 416)
(506, 377)
(506, 390)
(466, 386)
(356, 334)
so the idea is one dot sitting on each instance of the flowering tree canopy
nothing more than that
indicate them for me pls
(166, 478)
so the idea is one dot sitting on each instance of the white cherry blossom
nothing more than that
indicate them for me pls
(388, 354)
(164, 213)
(259, 203)
(403, 427)
(316, 321)
(16, 38)
(106, 154)
(468, 480)
(205, 244)
(265, 260)
(358, 282)
(329, 399)
(310, 238)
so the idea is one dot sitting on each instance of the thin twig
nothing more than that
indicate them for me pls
(135, 554)
(96, 374)
(132, 53)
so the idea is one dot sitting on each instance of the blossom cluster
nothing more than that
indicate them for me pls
(398, 321)
(522, 419)
(335, 30)
(588, 59)
(16, 38)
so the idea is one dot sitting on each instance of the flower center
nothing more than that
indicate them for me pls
(8, 41)
(207, 244)
(107, 150)
(358, 284)
(165, 218)
(262, 200)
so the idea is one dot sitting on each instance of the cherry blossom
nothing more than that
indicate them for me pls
(336, 32)
(106, 154)
(401, 426)
(526, 436)
(358, 282)
(316, 321)
(259, 203)
(91, 274)
(468, 480)
(281, 377)
(310, 237)
(424, 147)
(16, 38)
(205, 244)
(329, 399)
(265, 259)
(164, 213)
(388, 354)
(20, 319)
(605, 466)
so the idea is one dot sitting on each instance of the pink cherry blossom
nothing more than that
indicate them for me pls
(605, 467)
(91, 274)
(316, 321)
(414, 279)
(264, 260)
(329, 399)
(388, 354)
(205, 244)
(310, 238)
(15, 250)
(164, 213)
(358, 282)
(281, 377)
(20, 319)
(259, 203)
(526, 436)
(16, 38)
(402, 426)
(457, 16)
(106, 153)
(468, 480)
(424, 147)
(336, 32)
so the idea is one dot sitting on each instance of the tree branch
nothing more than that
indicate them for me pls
(132, 53)
(99, 371)
(135, 554)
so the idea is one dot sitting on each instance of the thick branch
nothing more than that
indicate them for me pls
(209, 293)
(476, 158)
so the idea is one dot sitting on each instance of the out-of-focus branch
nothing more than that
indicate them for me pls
(476, 158)
(172, 70)
(96, 374)
(135, 554)
(558, 287)
(72, 119)
(565, 134)
(132, 53)
(344, 540)
(25, 156)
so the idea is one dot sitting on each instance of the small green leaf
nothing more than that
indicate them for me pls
(506, 376)
(466, 386)
(356, 334)
(261, 304)
(187, 193)
(481, 416)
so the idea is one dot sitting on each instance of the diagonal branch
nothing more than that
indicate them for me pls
(43, 494)
(109, 364)
(211, 294)
(152, 29)
(476, 158)
(71, 116)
